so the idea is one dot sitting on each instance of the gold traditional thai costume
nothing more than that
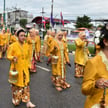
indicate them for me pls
(3, 44)
(65, 41)
(8, 36)
(38, 40)
(95, 69)
(13, 39)
(45, 46)
(0, 46)
(20, 88)
(58, 50)
(81, 57)
(32, 57)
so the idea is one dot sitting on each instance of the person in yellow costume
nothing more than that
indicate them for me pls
(45, 46)
(65, 39)
(46, 49)
(8, 35)
(18, 54)
(59, 53)
(95, 82)
(1, 46)
(31, 40)
(81, 54)
(38, 45)
(3, 43)
(13, 38)
(50, 38)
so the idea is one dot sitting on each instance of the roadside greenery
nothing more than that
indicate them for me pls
(72, 47)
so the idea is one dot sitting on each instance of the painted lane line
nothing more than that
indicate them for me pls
(43, 68)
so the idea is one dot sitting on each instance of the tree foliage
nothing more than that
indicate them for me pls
(23, 22)
(47, 26)
(83, 22)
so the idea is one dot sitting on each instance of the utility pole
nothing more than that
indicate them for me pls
(42, 29)
(52, 7)
(4, 16)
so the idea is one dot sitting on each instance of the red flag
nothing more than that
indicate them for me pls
(62, 21)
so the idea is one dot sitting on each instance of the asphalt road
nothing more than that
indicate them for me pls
(43, 94)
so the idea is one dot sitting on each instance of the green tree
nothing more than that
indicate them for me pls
(23, 22)
(83, 22)
(101, 26)
(47, 27)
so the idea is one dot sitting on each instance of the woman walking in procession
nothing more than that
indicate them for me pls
(18, 54)
(95, 82)
(59, 55)
(81, 54)
(33, 45)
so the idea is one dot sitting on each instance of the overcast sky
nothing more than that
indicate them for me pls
(70, 8)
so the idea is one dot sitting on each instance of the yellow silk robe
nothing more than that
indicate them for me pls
(95, 69)
(3, 39)
(45, 45)
(13, 39)
(8, 37)
(50, 39)
(81, 54)
(46, 49)
(59, 49)
(22, 54)
(38, 40)
(33, 47)
(65, 41)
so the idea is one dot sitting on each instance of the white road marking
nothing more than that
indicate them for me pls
(43, 68)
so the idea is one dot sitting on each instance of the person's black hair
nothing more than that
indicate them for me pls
(104, 28)
(14, 31)
(104, 35)
(19, 31)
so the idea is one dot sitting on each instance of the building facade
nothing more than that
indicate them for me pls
(14, 17)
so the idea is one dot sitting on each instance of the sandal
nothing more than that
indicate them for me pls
(58, 88)
(67, 85)
(32, 70)
(30, 105)
(63, 84)
(14, 103)
(77, 76)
